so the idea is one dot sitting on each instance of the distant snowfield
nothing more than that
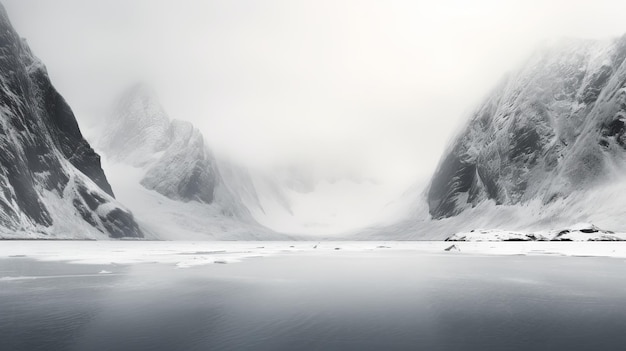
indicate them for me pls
(332, 208)
(185, 254)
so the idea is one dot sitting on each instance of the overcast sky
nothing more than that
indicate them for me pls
(378, 86)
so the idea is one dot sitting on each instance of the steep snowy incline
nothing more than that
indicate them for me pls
(551, 129)
(51, 182)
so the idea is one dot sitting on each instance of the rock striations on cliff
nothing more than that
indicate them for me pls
(51, 182)
(550, 129)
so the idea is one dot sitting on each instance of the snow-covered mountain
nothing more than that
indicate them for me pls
(178, 164)
(553, 128)
(546, 149)
(169, 177)
(165, 172)
(51, 182)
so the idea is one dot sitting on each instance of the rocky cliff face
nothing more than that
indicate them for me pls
(552, 128)
(51, 182)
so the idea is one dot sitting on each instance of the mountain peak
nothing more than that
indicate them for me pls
(140, 91)
(176, 161)
(140, 103)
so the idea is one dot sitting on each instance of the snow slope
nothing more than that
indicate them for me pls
(322, 200)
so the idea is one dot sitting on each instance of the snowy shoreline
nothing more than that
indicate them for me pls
(577, 232)
(189, 254)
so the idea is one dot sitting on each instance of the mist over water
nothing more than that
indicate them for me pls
(336, 301)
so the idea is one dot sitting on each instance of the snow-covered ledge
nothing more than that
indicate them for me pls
(577, 232)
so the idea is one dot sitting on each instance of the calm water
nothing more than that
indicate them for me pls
(339, 301)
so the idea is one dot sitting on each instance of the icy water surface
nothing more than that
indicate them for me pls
(382, 300)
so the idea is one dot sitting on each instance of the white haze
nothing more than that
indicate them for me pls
(374, 88)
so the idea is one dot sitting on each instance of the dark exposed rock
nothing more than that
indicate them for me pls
(92, 199)
(615, 129)
(589, 230)
(452, 248)
(119, 223)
